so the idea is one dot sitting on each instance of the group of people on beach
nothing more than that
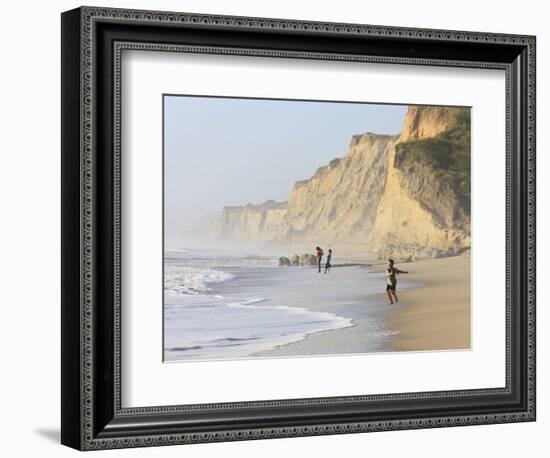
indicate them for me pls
(391, 273)
(319, 254)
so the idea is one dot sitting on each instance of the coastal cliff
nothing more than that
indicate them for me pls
(406, 195)
(252, 222)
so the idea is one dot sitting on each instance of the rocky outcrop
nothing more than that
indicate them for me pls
(304, 260)
(298, 260)
(284, 261)
(405, 195)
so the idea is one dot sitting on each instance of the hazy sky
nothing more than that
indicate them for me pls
(228, 151)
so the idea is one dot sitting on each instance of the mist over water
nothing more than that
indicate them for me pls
(203, 242)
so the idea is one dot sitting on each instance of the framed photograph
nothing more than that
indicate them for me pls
(276, 228)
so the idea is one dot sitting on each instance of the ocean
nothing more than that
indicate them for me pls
(229, 305)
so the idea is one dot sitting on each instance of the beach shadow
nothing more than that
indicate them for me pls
(50, 434)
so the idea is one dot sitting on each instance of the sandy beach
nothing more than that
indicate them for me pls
(433, 314)
(246, 306)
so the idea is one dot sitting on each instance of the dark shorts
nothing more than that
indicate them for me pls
(390, 287)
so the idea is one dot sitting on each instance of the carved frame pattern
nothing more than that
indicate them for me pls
(89, 15)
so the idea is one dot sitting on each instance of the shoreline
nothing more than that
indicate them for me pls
(368, 312)
(433, 313)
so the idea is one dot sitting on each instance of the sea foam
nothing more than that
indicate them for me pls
(192, 280)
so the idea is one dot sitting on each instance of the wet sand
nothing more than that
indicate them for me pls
(435, 316)
(354, 292)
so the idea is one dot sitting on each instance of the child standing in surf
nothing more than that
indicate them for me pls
(391, 281)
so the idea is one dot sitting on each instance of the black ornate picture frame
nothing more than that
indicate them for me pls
(92, 42)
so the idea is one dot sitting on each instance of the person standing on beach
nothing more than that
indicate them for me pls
(327, 263)
(391, 280)
(319, 254)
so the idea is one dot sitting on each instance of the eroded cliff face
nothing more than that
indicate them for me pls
(415, 218)
(405, 196)
(251, 222)
(340, 201)
(424, 122)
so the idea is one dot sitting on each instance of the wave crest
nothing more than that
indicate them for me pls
(192, 280)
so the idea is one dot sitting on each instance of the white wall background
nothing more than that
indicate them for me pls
(30, 230)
